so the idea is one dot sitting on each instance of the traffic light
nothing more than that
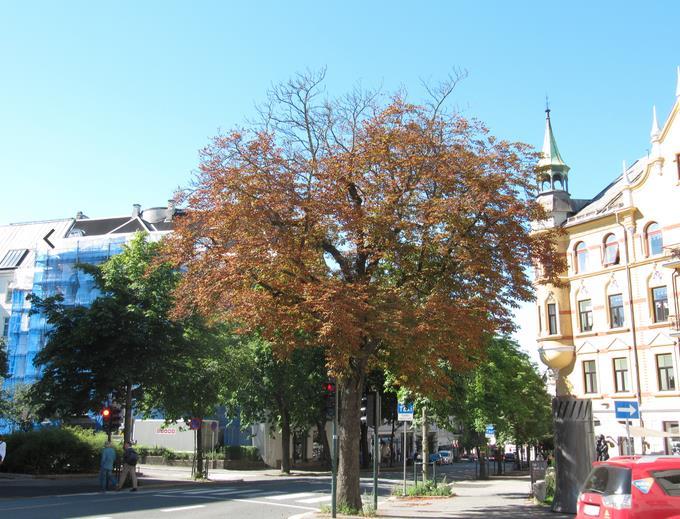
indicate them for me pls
(368, 409)
(106, 418)
(329, 398)
(116, 417)
(364, 408)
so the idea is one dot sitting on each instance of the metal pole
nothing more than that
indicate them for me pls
(334, 460)
(403, 454)
(629, 450)
(376, 449)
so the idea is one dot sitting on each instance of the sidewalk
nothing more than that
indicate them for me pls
(504, 496)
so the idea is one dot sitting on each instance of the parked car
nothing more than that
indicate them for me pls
(509, 457)
(632, 487)
(436, 457)
(446, 457)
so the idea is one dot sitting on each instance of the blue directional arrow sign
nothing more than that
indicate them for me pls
(627, 410)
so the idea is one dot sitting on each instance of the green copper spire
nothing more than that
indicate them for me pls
(551, 169)
(550, 155)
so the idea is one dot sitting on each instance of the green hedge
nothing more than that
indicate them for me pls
(241, 452)
(66, 450)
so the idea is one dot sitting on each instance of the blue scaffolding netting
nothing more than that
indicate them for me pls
(55, 272)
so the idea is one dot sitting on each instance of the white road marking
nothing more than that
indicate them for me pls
(315, 499)
(303, 515)
(276, 504)
(291, 496)
(181, 508)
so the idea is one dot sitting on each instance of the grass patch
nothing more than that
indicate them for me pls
(428, 488)
(343, 509)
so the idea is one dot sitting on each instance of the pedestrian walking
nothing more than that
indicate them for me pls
(3, 450)
(129, 467)
(602, 449)
(106, 466)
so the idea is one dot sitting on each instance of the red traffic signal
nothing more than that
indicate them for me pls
(329, 398)
(106, 414)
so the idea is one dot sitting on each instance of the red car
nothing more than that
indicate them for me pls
(632, 487)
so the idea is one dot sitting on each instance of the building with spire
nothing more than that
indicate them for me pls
(611, 331)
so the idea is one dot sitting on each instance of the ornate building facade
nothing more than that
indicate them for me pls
(611, 331)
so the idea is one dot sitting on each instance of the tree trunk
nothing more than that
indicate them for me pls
(425, 447)
(325, 447)
(199, 451)
(127, 427)
(285, 442)
(365, 464)
(349, 390)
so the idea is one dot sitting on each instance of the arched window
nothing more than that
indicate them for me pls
(611, 250)
(581, 252)
(654, 239)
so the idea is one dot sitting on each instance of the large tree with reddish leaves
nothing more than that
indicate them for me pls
(395, 235)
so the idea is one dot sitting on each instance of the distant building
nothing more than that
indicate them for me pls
(611, 331)
(40, 258)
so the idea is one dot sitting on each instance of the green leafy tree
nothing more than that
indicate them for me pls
(282, 391)
(194, 378)
(120, 345)
(504, 390)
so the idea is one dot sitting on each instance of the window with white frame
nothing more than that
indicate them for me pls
(616, 319)
(660, 304)
(552, 318)
(585, 314)
(611, 250)
(589, 376)
(654, 239)
(621, 384)
(581, 252)
(665, 372)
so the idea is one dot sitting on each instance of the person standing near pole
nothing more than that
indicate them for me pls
(129, 467)
(106, 466)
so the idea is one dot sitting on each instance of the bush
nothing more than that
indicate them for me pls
(241, 452)
(167, 454)
(549, 484)
(428, 488)
(64, 450)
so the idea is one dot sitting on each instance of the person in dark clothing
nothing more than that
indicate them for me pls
(602, 449)
(129, 467)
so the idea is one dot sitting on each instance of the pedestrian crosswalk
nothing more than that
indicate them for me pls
(236, 493)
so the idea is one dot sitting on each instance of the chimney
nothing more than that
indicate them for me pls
(170, 211)
(136, 210)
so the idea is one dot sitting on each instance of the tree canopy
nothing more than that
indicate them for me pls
(118, 345)
(393, 234)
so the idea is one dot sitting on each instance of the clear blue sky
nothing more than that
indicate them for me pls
(103, 105)
(106, 104)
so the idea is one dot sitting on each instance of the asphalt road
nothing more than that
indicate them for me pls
(284, 498)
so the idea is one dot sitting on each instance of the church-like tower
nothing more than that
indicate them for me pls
(552, 177)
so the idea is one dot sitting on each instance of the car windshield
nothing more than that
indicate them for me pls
(608, 480)
(444, 453)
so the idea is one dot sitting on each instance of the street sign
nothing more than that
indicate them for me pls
(627, 410)
(404, 412)
(195, 424)
(490, 430)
